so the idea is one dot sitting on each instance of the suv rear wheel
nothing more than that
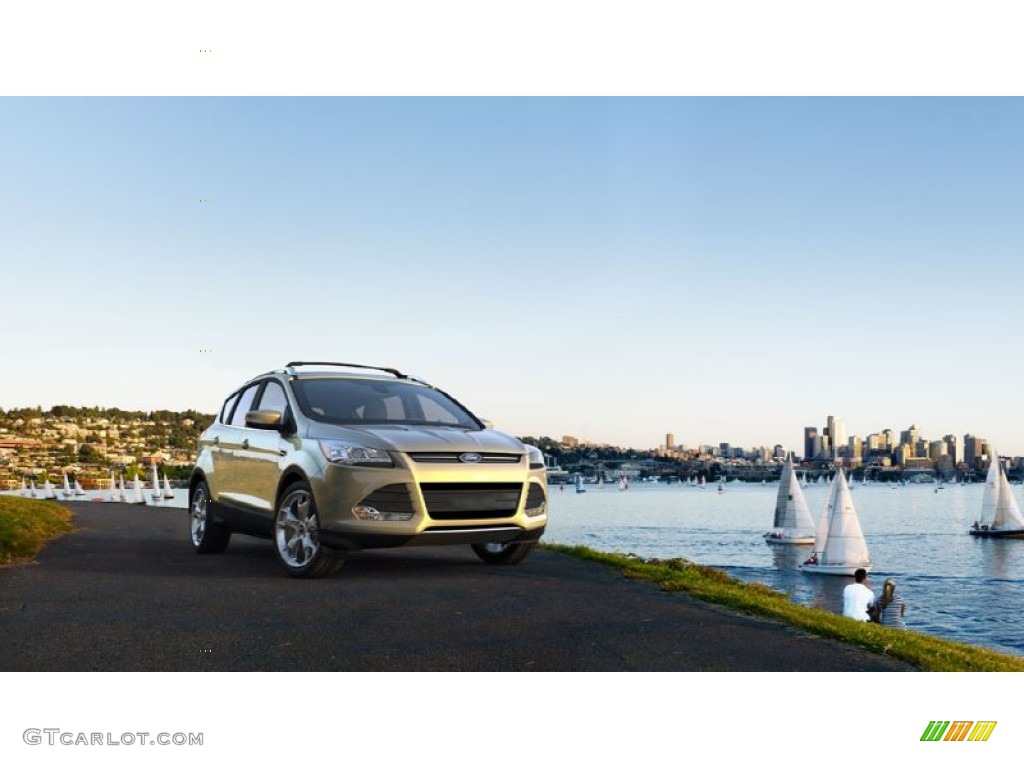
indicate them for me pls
(296, 535)
(504, 553)
(207, 536)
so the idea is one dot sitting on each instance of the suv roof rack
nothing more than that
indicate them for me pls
(290, 368)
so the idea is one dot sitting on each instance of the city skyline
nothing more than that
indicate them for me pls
(576, 266)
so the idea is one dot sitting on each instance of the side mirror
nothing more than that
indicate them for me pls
(487, 424)
(264, 419)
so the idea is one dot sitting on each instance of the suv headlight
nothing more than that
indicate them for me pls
(339, 452)
(536, 457)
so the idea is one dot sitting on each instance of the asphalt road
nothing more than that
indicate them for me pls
(125, 592)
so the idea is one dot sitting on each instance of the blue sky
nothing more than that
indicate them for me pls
(727, 269)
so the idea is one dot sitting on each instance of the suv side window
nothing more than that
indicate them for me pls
(225, 413)
(273, 398)
(244, 405)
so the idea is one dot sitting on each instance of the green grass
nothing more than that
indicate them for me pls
(926, 652)
(26, 524)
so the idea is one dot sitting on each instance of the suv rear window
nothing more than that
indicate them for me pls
(370, 401)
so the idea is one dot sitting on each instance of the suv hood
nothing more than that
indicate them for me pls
(411, 438)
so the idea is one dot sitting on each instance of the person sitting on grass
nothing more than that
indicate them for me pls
(891, 606)
(858, 597)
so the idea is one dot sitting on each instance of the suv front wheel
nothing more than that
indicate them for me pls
(507, 553)
(297, 535)
(207, 536)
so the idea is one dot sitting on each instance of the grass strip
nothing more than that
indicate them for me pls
(26, 524)
(929, 653)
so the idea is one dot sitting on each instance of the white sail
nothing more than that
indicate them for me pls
(48, 492)
(32, 488)
(79, 490)
(1007, 512)
(792, 516)
(138, 497)
(156, 484)
(24, 488)
(121, 495)
(990, 496)
(845, 544)
(824, 520)
(67, 487)
(113, 488)
(168, 492)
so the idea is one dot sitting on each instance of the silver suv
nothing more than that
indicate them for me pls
(360, 457)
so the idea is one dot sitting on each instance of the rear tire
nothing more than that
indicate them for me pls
(208, 537)
(504, 553)
(297, 536)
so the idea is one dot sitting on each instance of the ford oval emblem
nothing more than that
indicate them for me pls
(470, 458)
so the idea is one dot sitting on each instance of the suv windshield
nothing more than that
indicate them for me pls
(374, 401)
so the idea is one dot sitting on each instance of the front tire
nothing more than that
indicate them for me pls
(297, 536)
(506, 553)
(208, 537)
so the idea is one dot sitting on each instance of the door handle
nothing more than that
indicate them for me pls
(245, 443)
(216, 440)
(282, 453)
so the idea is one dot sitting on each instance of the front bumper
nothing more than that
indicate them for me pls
(446, 504)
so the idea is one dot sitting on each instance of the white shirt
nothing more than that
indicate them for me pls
(856, 599)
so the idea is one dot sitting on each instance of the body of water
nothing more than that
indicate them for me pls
(956, 586)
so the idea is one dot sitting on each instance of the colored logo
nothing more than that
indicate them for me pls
(958, 730)
(470, 458)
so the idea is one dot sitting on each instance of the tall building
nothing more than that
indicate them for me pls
(911, 437)
(810, 435)
(670, 441)
(954, 449)
(836, 435)
(973, 450)
(855, 448)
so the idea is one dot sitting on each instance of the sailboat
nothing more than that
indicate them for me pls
(32, 487)
(168, 493)
(67, 488)
(121, 495)
(113, 488)
(24, 488)
(1000, 515)
(48, 492)
(623, 483)
(793, 522)
(78, 489)
(579, 484)
(156, 485)
(839, 546)
(138, 497)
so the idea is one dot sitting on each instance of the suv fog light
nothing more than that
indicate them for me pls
(363, 512)
(536, 511)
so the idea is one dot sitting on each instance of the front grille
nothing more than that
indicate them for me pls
(390, 498)
(535, 497)
(453, 458)
(471, 501)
